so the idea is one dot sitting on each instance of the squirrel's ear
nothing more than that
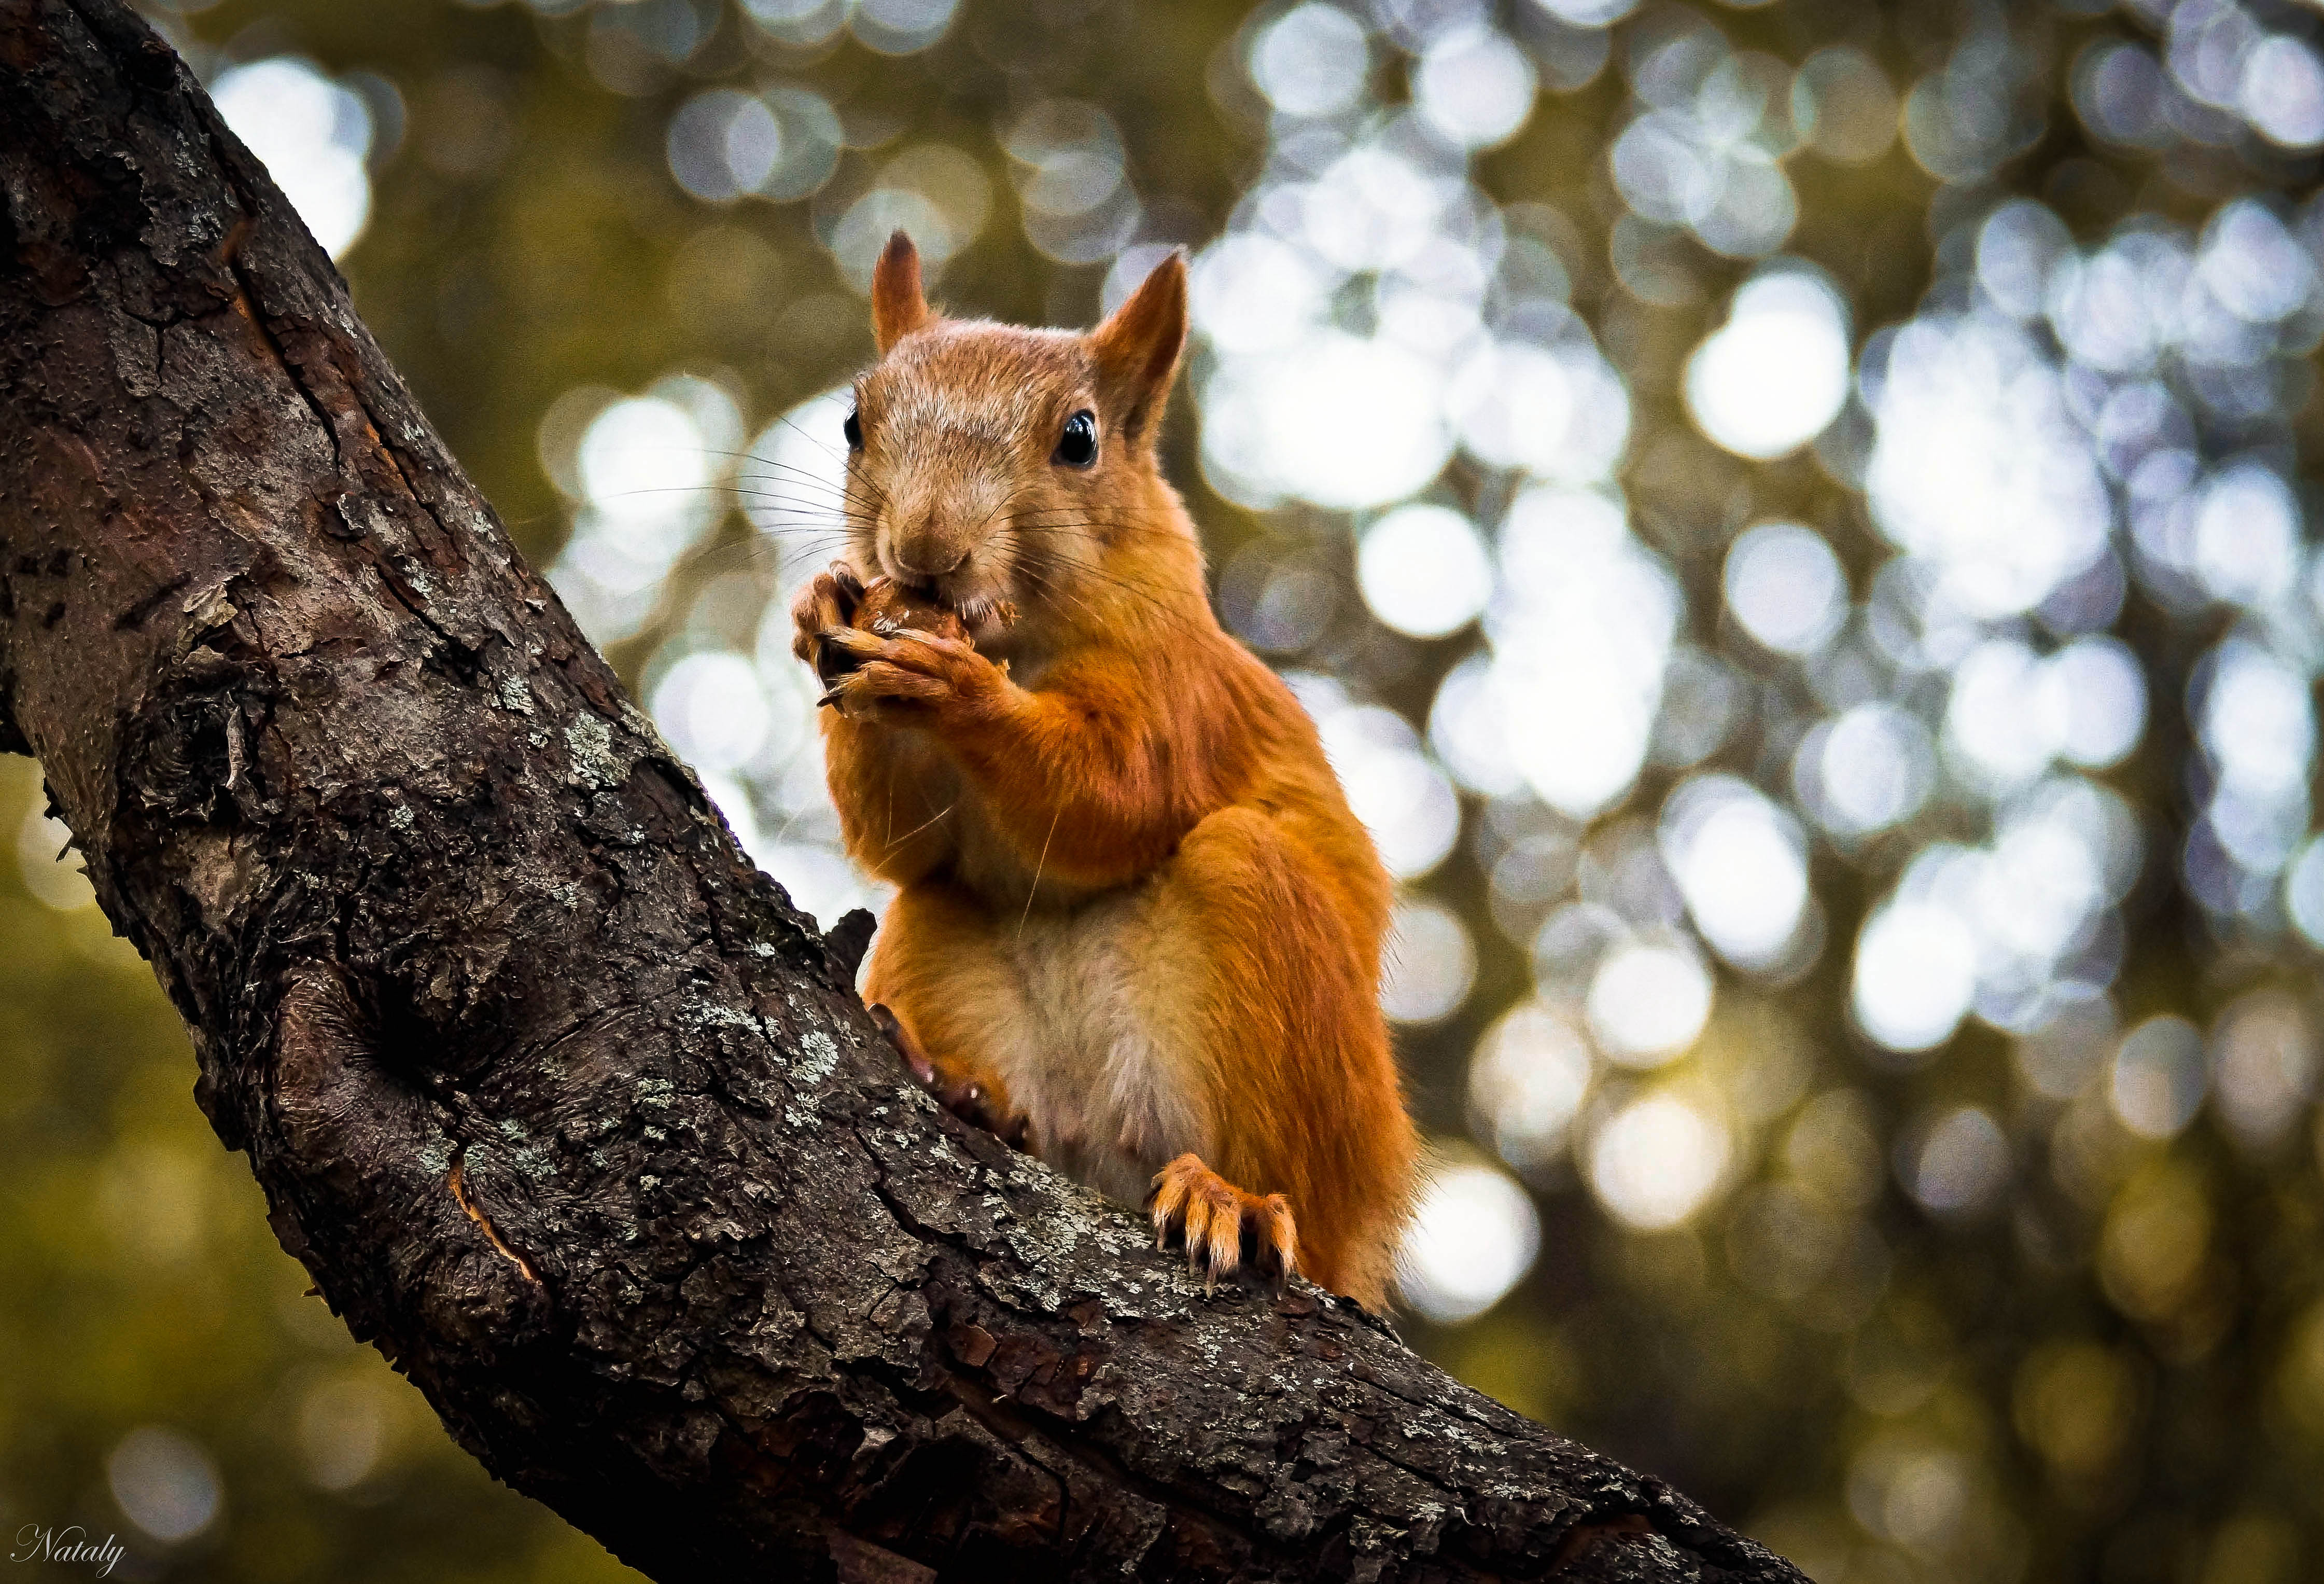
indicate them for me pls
(898, 308)
(1137, 347)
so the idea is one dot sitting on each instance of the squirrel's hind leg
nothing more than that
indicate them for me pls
(937, 990)
(968, 1097)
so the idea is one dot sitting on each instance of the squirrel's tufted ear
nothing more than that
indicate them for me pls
(1137, 348)
(898, 308)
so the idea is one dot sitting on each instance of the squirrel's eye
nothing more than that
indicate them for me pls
(1077, 447)
(854, 430)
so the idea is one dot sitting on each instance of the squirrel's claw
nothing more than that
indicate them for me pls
(1224, 1227)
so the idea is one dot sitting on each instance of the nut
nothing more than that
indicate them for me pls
(889, 608)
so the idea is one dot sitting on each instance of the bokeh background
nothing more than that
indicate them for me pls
(1794, 521)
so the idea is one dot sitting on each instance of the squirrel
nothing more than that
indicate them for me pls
(1136, 928)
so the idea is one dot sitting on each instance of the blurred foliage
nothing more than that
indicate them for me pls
(2037, 1299)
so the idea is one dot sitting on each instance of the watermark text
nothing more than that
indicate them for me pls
(43, 1542)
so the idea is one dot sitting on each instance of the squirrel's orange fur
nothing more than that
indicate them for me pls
(1134, 909)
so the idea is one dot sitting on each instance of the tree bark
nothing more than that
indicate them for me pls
(560, 1102)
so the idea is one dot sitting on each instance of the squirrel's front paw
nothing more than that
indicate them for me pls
(828, 601)
(911, 678)
(1223, 1227)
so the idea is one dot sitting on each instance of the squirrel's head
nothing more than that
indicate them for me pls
(994, 469)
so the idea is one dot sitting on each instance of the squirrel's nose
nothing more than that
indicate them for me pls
(926, 559)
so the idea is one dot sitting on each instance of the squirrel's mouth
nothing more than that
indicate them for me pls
(970, 591)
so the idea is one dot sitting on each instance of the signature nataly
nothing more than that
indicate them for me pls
(47, 1543)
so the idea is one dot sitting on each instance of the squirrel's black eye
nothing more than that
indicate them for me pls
(854, 430)
(1077, 447)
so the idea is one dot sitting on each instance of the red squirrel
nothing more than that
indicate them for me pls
(1136, 922)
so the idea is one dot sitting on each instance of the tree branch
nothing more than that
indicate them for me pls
(561, 1104)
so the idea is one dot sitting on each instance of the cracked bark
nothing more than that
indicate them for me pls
(561, 1103)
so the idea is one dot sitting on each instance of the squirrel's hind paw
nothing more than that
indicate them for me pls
(965, 1098)
(1224, 1229)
